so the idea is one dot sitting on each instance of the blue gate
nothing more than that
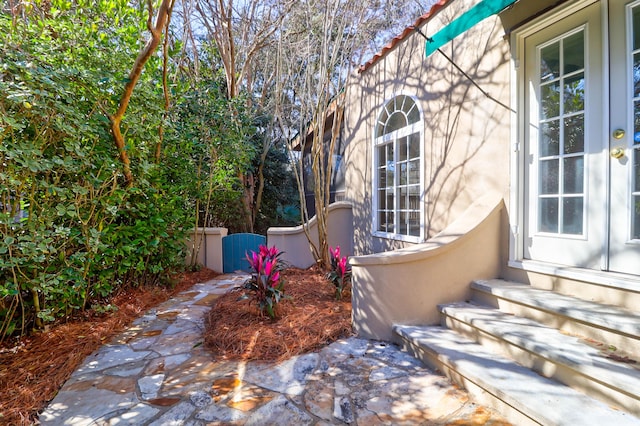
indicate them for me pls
(235, 248)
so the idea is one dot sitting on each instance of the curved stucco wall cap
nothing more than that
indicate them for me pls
(448, 239)
(285, 230)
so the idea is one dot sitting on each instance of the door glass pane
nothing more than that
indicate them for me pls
(382, 157)
(573, 52)
(550, 62)
(549, 138)
(636, 74)
(573, 175)
(636, 170)
(635, 158)
(574, 93)
(636, 218)
(382, 179)
(635, 199)
(549, 173)
(389, 148)
(550, 100)
(548, 214)
(389, 177)
(636, 121)
(572, 215)
(636, 26)
(574, 134)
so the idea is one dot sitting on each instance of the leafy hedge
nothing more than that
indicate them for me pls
(70, 232)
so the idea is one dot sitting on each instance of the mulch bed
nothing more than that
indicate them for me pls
(310, 319)
(33, 368)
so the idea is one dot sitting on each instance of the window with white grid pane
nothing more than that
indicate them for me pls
(397, 180)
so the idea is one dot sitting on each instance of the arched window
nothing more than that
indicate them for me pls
(398, 172)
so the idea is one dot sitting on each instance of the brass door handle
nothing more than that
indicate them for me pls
(618, 134)
(617, 152)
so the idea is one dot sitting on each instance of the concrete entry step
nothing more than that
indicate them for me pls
(520, 394)
(549, 352)
(609, 324)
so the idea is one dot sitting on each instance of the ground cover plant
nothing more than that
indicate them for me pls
(266, 285)
(340, 272)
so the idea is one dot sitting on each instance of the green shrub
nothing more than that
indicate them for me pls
(70, 232)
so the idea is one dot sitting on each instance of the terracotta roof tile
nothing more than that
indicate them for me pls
(407, 31)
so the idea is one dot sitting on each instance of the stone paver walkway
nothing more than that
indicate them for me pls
(157, 373)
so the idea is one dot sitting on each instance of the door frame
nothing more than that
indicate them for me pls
(517, 203)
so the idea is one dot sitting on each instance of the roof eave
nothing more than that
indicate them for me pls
(404, 35)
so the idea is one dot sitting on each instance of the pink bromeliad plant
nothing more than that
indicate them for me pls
(266, 284)
(340, 274)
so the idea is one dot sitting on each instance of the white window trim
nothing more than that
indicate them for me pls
(417, 127)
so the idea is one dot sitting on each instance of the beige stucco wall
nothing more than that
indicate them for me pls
(405, 286)
(295, 245)
(467, 135)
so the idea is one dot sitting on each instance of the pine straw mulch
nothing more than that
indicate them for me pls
(310, 319)
(33, 369)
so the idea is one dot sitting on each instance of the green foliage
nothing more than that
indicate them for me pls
(70, 234)
(281, 199)
(217, 140)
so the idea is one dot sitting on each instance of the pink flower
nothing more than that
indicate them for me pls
(335, 252)
(254, 261)
(268, 253)
(342, 266)
(275, 278)
(268, 266)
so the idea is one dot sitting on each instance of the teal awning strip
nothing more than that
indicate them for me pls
(477, 13)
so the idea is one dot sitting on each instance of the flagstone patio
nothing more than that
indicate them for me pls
(158, 373)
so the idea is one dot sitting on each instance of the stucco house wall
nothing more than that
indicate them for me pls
(466, 134)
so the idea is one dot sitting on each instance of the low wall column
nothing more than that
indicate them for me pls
(213, 247)
(208, 244)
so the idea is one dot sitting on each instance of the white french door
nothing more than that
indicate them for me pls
(582, 139)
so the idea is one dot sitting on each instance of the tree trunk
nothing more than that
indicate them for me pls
(162, 22)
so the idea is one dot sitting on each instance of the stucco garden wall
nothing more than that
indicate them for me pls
(295, 245)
